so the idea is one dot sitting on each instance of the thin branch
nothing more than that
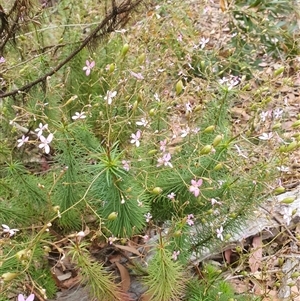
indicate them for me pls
(123, 8)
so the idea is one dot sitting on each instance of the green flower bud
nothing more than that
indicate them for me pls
(157, 190)
(217, 140)
(8, 276)
(135, 105)
(152, 112)
(292, 146)
(278, 71)
(178, 233)
(112, 216)
(296, 124)
(141, 58)
(152, 152)
(125, 49)
(209, 129)
(179, 87)
(279, 190)
(219, 166)
(288, 200)
(206, 149)
(112, 68)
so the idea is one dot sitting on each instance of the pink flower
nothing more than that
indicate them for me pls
(89, 66)
(219, 233)
(22, 141)
(171, 196)
(45, 142)
(194, 188)
(2, 59)
(175, 255)
(164, 160)
(126, 165)
(22, 298)
(163, 145)
(189, 220)
(40, 129)
(135, 138)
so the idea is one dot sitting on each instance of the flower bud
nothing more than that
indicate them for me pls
(217, 140)
(206, 149)
(157, 190)
(279, 190)
(278, 71)
(141, 58)
(296, 124)
(152, 152)
(125, 49)
(209, 129)
(178, 233)
(112, 216)
(8, 276)
(111, 68)
(219, 166)
(288, 200)
(152, 112)
(292, 146)
(179, 87)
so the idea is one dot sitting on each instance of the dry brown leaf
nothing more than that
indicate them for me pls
(227, 255)
(145, 297)
(256, 255)
(125, 277)
(129, 249)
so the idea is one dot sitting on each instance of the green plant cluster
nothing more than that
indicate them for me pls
(129, 146)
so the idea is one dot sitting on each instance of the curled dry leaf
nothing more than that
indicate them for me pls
(256, 254)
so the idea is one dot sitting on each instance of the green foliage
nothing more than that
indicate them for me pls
(143, 139)
(165, 277)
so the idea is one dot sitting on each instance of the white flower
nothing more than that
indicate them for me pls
(143, 122)
(11, 232)
(135, 138)
(171, 196)
(277, 113)
(40, 129)
(203, 42)
(266, 136)
(79, 116)
(175, 255)
(148, 217)
(109, 96)
(219, 233)
(164, 160)
(240, 152)
(185, 132)
(264, 115)
(283, 168)
(45, 143)
(22, 141)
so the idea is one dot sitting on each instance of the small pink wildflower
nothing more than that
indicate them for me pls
(45, 143)
(40, 129)
(203, 42)
(79, 116)
(146, 237)
(135, 138)
(219, 233)
(175, 255)
(126, 165)
(137, 75)
(189, 220)
(171, 196)
(111, 239)
(163, 145)
(29, 298)
(22, 141)
(148, 217)
(11, 232)
(194, 188)
(143, 122)
(109, 96)
(2, 60)
(88, 67)
(164, 160)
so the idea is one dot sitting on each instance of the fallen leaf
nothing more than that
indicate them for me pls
(129, 249)
(256, 255)
(227, 255)
(125, 277)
